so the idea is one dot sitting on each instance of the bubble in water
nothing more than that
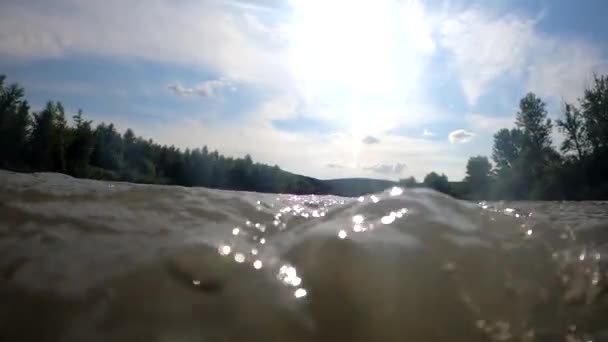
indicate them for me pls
(374, 198)
(396, 191)
(257, 264)
(262, 241)
(357, 228)
(299, 293)
(254, 251)
(342, 234)
(358, 219)
(235, 231)
(239, 257)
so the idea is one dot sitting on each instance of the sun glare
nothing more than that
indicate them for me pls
(357, 61)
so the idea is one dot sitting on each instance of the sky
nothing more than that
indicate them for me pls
(325, 88)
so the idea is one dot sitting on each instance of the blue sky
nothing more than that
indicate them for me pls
(326, 88)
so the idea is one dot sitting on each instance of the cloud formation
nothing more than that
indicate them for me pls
(370, 140)
(460, 136)
(208, 88)
(489, 124)
(386, 168)
(335, 166)
(549, 65)
(427, 133)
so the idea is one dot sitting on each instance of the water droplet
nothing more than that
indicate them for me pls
(262, 241)
(296, 281)
(257, 264)
(254, 251)
(581, 257)
(374, 198)
(342, 234)
(299, 293)
(239, 257)
(396, 191)
(529, 232)
(361, 199)
(358, 219)
(235, 231)
(357, 228)
(196, 282)
(315, 213)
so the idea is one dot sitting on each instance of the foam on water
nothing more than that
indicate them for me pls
(84, 260)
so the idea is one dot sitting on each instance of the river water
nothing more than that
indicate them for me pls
(84, 260)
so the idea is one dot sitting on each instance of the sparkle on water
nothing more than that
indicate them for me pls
(299, 293)
(312, 207)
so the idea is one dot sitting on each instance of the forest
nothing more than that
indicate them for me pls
(44, 142)
(524, 163)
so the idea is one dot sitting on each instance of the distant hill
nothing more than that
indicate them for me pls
(355, 187)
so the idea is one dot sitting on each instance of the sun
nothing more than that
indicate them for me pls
(355, 62)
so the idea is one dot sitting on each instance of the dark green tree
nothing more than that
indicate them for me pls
(14, 125)
(409, 182)
(594, 107)
(478, 177)
(574, 128)
(79, 150)
(437, 182)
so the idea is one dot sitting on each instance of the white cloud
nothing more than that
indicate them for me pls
(336, 166)
(386, 168)
(193, 33)
(370, 140)
(427, 133)
(208, 88)
(485, 47)
(489, 123)
(460, 136)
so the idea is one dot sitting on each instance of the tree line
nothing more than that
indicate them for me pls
(526, 165)
(44, 141)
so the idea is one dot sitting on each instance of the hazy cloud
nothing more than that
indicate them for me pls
(206, 89)
(489, 123)
(370, 140)
(460, 136)
(335, 166)
(427, 133)
(386, 168)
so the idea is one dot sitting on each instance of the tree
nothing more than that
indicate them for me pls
(437, 182)
(573, 126)
(14, 125)
(478, 176)
(532, 120)
(507, 147)
(594, 107)
(409, 182)
(41, 140)
(79, 151)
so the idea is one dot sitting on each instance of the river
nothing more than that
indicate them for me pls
(84, 260)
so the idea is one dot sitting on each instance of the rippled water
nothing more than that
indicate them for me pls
(84, 260)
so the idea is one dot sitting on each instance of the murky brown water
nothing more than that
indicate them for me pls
(84, 260)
